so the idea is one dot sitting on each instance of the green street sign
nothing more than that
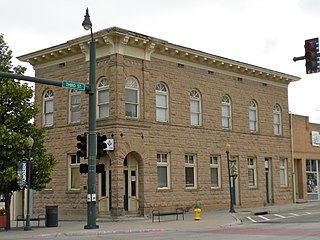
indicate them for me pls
(74, 85)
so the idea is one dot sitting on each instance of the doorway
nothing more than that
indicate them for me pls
(130, 177)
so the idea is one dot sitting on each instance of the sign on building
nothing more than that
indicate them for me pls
(315, 139)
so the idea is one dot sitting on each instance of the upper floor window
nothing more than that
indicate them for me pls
(75, 105)
(163, 170)
(132, 98)
(277, 120)
(161, 102)
(226, 112)
(195, 107)
(48, 108)
(103, 98)
(253, 116)
(215, 171)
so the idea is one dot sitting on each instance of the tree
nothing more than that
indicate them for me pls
(17, 112)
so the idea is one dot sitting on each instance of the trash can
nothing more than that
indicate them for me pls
(51, 216)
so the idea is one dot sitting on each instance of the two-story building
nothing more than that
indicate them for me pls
(171, 110)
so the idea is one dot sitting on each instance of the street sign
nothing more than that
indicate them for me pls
(74, 85)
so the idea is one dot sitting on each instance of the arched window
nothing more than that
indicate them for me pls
(48, 108)
(103, 98)
(226, 112)
(161, 102)
(253, 116)
(195, 108)
(132, 98)
(277, 126)
(74, 105)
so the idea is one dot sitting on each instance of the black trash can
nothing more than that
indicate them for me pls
(51, 216)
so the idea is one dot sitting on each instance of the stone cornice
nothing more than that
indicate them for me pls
(116, 40)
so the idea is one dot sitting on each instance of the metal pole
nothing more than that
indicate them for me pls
(230, 184)
(92, 146)
(28, 226)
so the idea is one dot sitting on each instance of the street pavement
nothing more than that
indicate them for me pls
(210, 220)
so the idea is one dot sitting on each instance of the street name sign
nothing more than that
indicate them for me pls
(74, 85)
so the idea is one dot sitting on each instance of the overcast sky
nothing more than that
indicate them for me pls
(265, 33)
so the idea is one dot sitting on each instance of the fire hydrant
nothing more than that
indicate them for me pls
(197, 212)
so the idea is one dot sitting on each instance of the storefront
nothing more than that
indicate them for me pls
(313, 173)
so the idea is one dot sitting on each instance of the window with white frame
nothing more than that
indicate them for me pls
(103, 97)
(161, 102)
(195, 108)
(74, 172)
(252, 172)
(75, 105)
(215, 171)
(163, 170)
(253, 116)
(48, 108)
(283, 172)
(226, 112)
(277, 120)
(132, 98)
(190, 171)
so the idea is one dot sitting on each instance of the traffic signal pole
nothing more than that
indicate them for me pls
(92, 145)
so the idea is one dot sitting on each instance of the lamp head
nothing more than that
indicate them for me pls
(227, 148)
(30, 142)
(87, 22)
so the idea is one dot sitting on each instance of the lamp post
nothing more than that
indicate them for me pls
(227, 148)
(29, 148)
(92, 149)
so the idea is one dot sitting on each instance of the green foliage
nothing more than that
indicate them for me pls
(17, 112)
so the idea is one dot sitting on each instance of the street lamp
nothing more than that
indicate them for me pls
(92, 149)
(29, 148)
(227, 148)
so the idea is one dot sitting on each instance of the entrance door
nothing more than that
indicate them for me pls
(130, 176)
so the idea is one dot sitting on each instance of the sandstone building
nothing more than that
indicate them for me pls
(171, 110)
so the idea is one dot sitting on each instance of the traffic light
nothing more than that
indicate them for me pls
(83, 168)
(101, 145)
(82, 145)
(311, 47)
(99, 168)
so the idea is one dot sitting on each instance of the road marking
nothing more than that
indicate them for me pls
(293, 214)
(263, 217)
(251, 219)
(278, 215)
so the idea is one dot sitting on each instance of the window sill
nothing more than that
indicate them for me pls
(73, 191)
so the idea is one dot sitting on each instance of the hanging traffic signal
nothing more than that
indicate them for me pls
(101, 145)
(100, 168)
(82, 145)
(83, 168)
(311, 47)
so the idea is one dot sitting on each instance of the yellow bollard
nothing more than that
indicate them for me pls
(197, 212)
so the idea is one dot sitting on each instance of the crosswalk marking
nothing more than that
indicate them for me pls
(269, 217)
(294, 214)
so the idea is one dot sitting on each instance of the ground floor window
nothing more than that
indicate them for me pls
(313, 175)
(283, 173)
(190, 171)
(163, 170)
(215, 171)
(74, 172)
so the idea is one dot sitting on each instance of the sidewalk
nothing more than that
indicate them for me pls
(209, 221)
